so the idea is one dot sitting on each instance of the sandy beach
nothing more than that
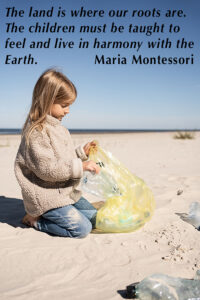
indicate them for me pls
(35, 265)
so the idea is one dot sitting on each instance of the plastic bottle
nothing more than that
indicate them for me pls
(197, 276)
(100, 185)
(194, 215)
(163, 287)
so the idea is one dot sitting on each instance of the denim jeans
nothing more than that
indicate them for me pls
(74, 220)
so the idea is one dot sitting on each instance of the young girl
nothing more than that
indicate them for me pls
(47, 166)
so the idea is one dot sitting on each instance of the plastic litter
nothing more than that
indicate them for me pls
(129, 203)
(163, 287)
(194, 215)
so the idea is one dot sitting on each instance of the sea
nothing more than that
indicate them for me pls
(16, 131)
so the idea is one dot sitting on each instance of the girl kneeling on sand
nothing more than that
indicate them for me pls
(47, 166)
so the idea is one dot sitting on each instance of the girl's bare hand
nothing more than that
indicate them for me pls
(88, 146)
(91, 166)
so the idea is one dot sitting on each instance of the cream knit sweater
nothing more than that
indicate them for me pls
(49, 169)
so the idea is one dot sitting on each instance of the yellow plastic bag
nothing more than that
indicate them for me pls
(129, 202)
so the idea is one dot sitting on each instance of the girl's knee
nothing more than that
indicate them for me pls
(84, 229)
(67, 221)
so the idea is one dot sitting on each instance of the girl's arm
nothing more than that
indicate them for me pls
(82, 151)
(41, 160)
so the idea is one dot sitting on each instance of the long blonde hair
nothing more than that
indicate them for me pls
(52, 87)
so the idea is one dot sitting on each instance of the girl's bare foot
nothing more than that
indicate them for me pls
(30, 221)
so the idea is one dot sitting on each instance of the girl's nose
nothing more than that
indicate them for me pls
(66, 110)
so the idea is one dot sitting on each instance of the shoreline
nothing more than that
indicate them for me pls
(112, 131)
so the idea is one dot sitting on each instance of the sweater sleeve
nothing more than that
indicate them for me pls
(41, 160)
(81, 153)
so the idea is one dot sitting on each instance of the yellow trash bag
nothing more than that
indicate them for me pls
(129, 202)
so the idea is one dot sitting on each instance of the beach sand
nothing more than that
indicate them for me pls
(35, 265)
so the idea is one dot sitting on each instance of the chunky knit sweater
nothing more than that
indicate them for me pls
(49, 169)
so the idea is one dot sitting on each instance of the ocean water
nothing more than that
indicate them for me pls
(15, 131)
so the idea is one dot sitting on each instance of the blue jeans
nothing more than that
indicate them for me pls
(74, 220)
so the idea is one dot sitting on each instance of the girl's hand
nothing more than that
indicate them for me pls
(91, 166)
(87, 147)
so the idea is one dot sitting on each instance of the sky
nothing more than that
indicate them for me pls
(116, 96)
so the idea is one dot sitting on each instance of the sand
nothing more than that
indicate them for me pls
(35, 265)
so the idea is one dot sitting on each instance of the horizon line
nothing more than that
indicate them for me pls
(117, 129)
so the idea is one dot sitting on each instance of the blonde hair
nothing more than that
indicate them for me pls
(52, 87)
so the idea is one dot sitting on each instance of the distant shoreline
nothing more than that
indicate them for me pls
(17, 131)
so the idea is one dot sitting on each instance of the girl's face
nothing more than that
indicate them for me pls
(59, 110)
